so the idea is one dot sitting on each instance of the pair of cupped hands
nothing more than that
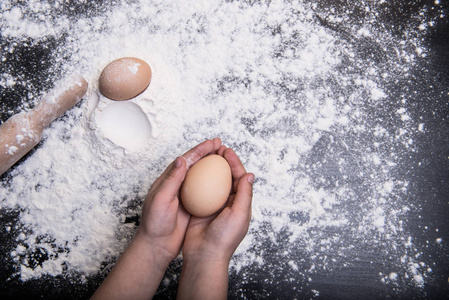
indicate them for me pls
(166, 227)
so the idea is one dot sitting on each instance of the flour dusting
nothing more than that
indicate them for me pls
(306, 96)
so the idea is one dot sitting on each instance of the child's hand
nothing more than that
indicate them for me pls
(159, 238)
(164, 220)
(210, 242)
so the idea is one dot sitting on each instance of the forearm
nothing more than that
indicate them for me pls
(136, 275)
(204, 280)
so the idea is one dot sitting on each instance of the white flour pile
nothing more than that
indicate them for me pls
(306, 99)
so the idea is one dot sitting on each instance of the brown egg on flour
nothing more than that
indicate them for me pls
(207, 185)
(125, 78)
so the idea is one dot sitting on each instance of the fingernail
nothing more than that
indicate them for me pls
(251, 178)
(178, 162)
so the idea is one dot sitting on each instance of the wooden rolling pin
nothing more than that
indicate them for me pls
(20, 133)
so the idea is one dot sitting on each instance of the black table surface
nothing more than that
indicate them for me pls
(430, 182)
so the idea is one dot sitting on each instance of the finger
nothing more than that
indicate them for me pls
(221, 150)
(230, 200)
(172, 178)
(201, 150)
(237, 168)
(243, 197)
(190, 157)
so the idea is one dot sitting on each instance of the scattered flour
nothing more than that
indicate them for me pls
(287, 84)
(134, 68)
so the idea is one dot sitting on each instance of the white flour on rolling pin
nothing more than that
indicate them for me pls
(20, 133)
(268, 80)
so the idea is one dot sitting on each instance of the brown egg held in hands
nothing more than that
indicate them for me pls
(124, 78)
(207, 186)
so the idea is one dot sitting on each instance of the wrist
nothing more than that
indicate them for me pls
(204, 279)
(204, 271)
(148, 249)
(138, 272)
(205, 263)
(205, 252)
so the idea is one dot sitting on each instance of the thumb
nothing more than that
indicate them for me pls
(172, 179)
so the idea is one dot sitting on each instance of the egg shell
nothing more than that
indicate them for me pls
(124, 78)
(207, 185)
